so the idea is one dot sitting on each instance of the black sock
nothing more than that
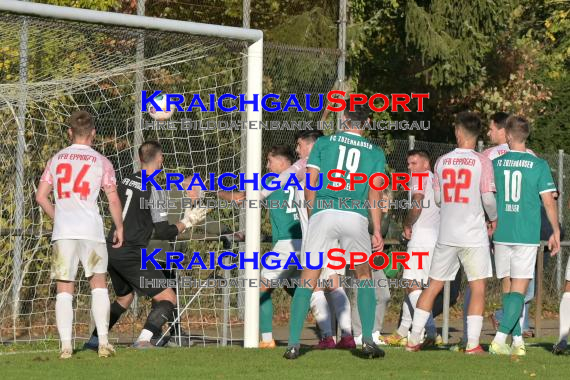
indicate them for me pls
(116, 311)
(160, 313)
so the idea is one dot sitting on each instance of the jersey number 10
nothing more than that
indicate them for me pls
(512, 185)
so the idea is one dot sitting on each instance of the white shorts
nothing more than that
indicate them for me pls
(515, 261)
(68, 253)
(476, 262)
(414, 273)
(330, 229)
(284, 249)
(567, 268)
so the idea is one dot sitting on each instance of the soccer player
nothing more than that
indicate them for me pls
(350, 152)
(464, 186)
(125, 262)
(420, 228)
(76, 174)
(522, 179)
(497, 136)
(319, 301)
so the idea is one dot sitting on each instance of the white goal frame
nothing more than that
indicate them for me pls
(254, 38)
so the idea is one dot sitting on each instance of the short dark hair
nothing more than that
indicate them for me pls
(518, 127)
(81, 123)
(311, 135)
(284, 151)
(361, 112)
(469, 122)
(419, 152)
(500, 119)
(148, 151)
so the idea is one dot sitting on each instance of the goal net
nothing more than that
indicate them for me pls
(52, 67)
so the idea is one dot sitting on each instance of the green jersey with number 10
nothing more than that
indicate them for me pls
(350, 152)
(520, 178)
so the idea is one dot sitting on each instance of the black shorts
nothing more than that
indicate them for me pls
(126, 273)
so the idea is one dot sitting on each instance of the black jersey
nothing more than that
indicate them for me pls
(138, 221)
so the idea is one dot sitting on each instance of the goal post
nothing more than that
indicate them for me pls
(105, 77)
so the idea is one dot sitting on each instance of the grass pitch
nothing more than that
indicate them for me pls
(231, 363)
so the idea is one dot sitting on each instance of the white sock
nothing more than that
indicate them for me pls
(341, 306)
(64, 318)
(474, 326)
(267, 337)
(500, 338)
(466, 301)
(418, 324)
(564, 317)
(321, 312)
(407, 313)
(518, 340)
(101, 308)
(146, 336)
(521, 319)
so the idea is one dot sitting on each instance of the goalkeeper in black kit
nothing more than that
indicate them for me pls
(125, 262)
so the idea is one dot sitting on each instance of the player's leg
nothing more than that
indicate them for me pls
(161, 312)
(444, 267)
(322, 313)
(123, 290)
(64, 265)
(341, 305)
(413, 293)
(266, 316)
(564, 315)
(318, 239)
(64, 316)
(352, 232)
(476, 262)
(382, 300)
(94, 258)
(515, 265)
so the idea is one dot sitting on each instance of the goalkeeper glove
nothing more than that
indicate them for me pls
(194, 216)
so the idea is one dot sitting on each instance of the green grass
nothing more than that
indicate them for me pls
(229, 363)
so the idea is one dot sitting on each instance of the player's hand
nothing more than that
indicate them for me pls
(377, 242)
(408, 232)
(554, 243)
(118, 238)
(491, 227)
(194, 216)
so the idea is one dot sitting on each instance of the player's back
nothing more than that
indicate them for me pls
(498, 150)
(350, 152)
(462, 176)
(520, 178)
(77, 174)
(137, 219)
(285, 223)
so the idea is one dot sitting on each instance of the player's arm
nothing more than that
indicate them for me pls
(231, 195)
(310, 195)
(44, 189)
(487, 188)
(416, 209)
(413, 214)
(42, 198)
(116, 213)
(551, 209)
(546, 189)
(374, 196)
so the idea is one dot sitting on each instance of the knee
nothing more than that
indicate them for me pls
(126, 300)
(165, 295)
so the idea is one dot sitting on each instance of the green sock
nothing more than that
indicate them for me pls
(299, 310)
(265, 312)
(366, 302)
(512, 309)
